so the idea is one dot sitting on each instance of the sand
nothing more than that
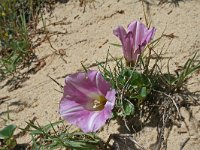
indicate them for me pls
(84, 36)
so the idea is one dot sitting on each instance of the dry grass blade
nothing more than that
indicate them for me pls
(175, 104)
(184, 143)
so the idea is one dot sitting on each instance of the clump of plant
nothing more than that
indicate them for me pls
(58, 135)
(135, 89)
(17, 18)
(15, 45)
(141, 78)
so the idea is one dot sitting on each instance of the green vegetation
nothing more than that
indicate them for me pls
(17, 18)
(144, 87)
(7, 140)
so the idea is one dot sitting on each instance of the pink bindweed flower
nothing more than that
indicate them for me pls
(134, 40)
(87, 101)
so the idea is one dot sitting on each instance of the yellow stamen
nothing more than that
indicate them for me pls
(99, 103)
(3, 14)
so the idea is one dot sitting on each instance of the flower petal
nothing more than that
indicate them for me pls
(88, 121)
(139, 34)
(81, 86)
(142, 35)
(135, 40)
(121, 33)
(84, 83)
(132, 28)
(129, 47)
(100, 83)
(110, 96)
(98, 119)
(71, 111)
(149, 35)
(80, 92)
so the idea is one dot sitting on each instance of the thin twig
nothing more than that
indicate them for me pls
(141, 147)
(61, 86)
(184, 143)
(179, 113)
(161, 132)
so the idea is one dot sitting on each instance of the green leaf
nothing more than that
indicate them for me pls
(41, 130)
(128, 108)
(143, 92)
(7, 132)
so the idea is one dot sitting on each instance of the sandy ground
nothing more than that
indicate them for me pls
(86, 37)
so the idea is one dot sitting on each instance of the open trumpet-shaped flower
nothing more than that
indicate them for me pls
(87, 101)
(134, 40)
